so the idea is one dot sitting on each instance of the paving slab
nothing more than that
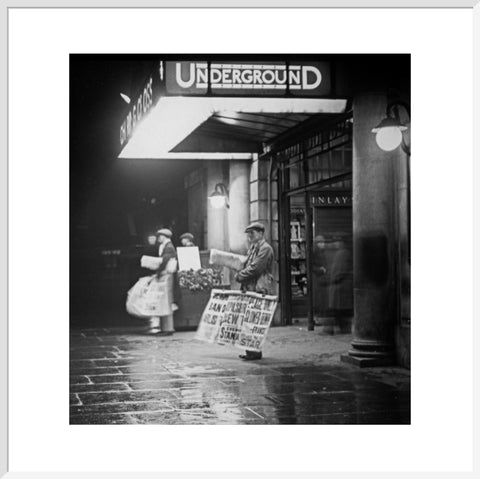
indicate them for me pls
(123, 376)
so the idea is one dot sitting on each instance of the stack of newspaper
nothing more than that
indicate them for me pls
(150, 262)
(230, 260)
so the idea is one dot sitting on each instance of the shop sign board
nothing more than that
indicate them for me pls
(331, 199)
(140, 107)
(252, 78)
(237, 318)
(142, 103)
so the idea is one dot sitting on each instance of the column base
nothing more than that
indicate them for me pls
(369, 353)
(367, 362)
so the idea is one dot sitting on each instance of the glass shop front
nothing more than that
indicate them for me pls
(315, 261)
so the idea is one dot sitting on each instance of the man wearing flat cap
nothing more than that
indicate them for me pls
(187, 239)
(167, 252)
(257, 273)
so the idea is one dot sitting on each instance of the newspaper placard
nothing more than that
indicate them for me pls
(188, 258)
(237, 318)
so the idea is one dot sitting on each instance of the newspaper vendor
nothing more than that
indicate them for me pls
(257, 273)
(166, 251)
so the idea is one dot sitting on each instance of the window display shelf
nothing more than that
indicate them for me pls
(297, 258)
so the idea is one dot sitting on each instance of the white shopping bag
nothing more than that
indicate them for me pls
(150, 296)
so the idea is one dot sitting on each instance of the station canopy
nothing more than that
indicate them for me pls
(184, 118)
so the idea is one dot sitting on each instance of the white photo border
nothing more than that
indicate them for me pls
(5, 217)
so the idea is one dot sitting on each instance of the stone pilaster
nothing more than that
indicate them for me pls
(239, 211)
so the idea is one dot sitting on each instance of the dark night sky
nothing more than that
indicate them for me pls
(96, 111)
(103, 188)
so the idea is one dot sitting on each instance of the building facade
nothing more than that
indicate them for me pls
(288, 140)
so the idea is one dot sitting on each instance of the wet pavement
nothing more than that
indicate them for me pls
(122, 376)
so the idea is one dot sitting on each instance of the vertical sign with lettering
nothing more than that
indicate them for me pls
(142, 103)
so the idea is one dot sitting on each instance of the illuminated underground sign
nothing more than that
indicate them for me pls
(301, 78)
(170, 78)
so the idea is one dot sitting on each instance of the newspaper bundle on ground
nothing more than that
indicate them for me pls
(150, 262)
(230, 260)
(236, 318)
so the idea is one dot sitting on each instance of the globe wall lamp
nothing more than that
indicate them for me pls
(389, 132)
(219, 198)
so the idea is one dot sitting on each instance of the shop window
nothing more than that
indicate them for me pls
(295, 176)
(330, 163)
(298, 256)
(315, 196)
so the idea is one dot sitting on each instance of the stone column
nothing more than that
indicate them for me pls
(216, 218)
(374, 215)
(239, 212)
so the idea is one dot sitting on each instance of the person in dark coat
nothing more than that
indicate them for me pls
(340, 298)
(257, 273)
(320, 277)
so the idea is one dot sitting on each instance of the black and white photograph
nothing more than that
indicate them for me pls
(240, 239)
(213, 218)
